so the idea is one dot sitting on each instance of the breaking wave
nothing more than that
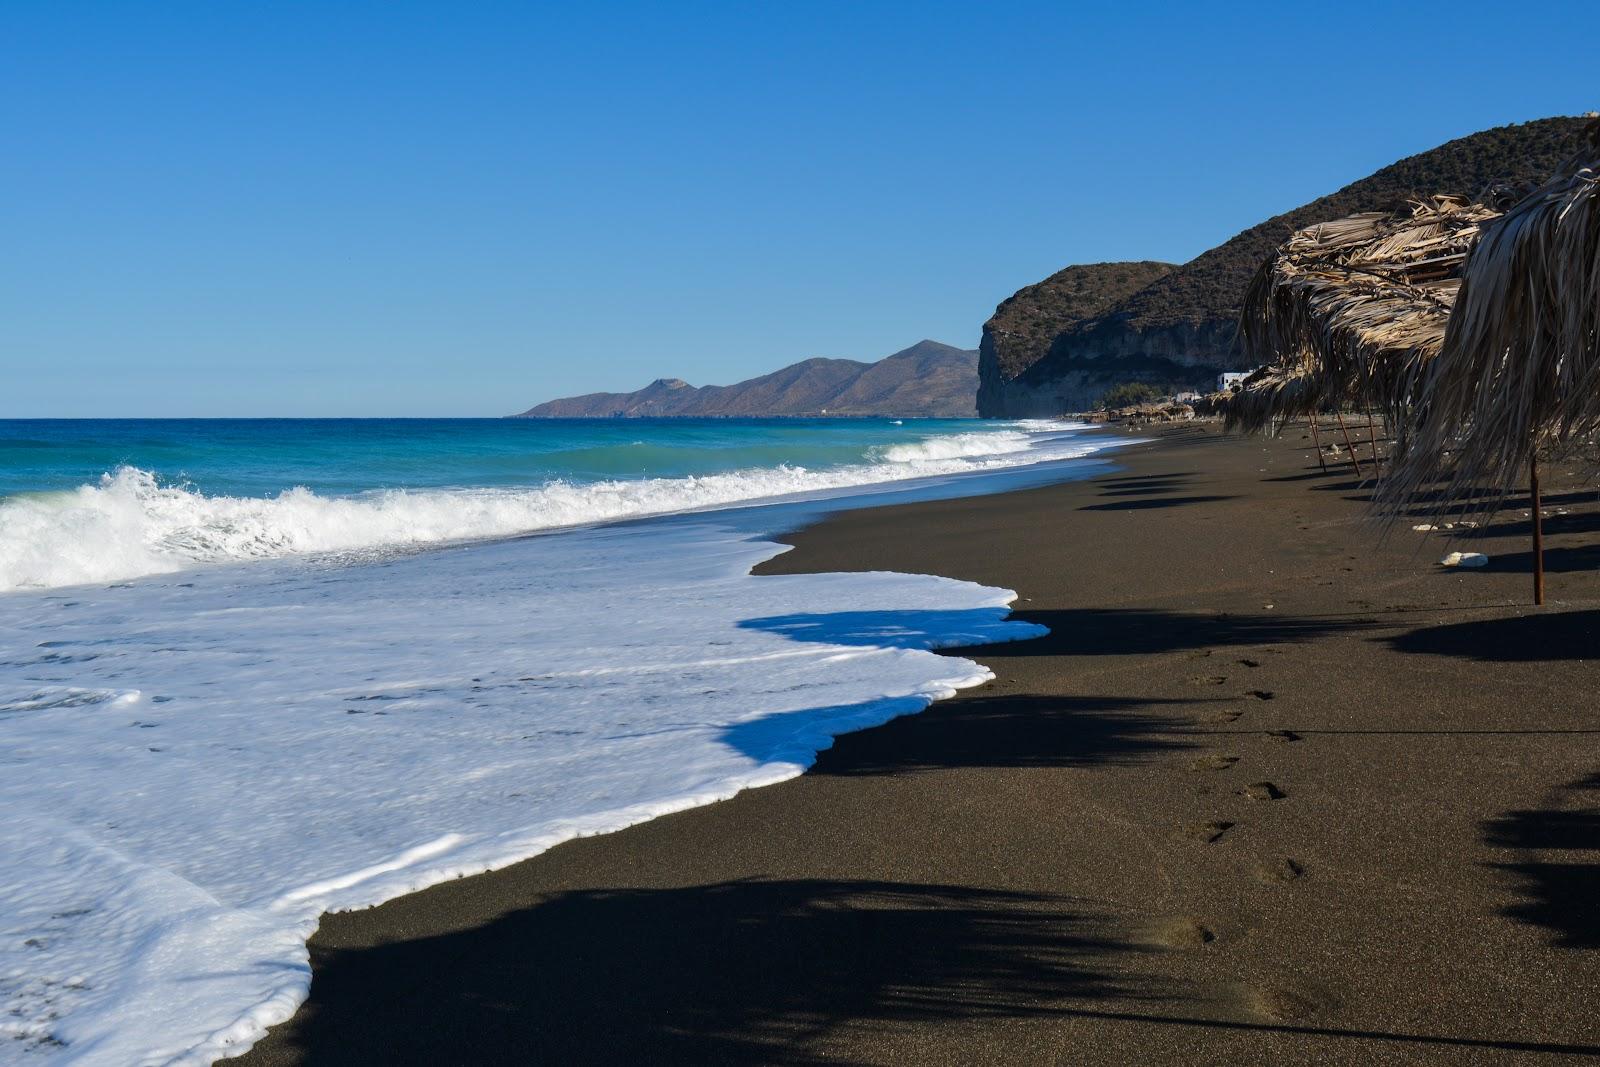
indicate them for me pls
(132, 523)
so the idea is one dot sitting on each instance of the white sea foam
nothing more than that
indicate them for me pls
(959, 446)
(130, 525)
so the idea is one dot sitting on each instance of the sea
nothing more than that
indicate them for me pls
(256, 670)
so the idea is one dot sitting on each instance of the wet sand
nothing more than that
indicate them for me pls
(1273, 790)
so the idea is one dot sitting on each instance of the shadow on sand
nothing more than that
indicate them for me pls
(1142, 490)
(1315, 476)
(741, 972)
(1083, 632)
(1568, 635)
(1559, 878)
(1153, 502)
(1142, 484)
(1556, 560)
(1012, 731)
(1132, 631)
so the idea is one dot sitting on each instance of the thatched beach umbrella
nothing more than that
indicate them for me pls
(1273, 394)
(1352, 310)
(1520, 362)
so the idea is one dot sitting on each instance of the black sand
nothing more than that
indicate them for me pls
(1271, 791)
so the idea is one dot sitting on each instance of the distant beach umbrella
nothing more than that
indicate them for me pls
(1271, 395)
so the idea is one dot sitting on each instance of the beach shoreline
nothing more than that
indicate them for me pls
(1272, 787)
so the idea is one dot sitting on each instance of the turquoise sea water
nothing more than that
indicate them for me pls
(90, 501)
(256, 457)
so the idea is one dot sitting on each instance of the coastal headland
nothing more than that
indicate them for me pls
(1276, 788)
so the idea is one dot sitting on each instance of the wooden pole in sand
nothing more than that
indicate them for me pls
(1538, 530)
(1316, 442)
(1354, 462)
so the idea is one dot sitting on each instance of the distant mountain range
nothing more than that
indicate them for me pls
(928, 379)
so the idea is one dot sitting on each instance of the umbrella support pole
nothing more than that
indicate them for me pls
(1538, 530)
(1372, 438)
(1316, 442)
(1354, 462)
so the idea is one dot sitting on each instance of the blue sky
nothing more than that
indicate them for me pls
(466, 208)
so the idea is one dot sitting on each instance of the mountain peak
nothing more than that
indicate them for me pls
(923, 348)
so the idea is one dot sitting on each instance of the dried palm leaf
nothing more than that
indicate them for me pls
(1353, 309)
(1269, 396)
(1520, 362)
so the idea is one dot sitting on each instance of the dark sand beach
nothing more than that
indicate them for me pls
(1273, 790)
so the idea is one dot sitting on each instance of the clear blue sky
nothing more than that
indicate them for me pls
(452, 208)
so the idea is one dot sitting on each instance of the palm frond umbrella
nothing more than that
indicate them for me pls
(1519, 367)
(1352, 310)
(1271, 394)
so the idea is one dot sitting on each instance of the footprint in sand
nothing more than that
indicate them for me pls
(1282, 735)
(1262, 694)
(1280, 873)
(1207, 832)
(1262, 791)
(1285, 1004)
(1213, 763)
(1176, 932)
(1209, 679)
(1226, 716)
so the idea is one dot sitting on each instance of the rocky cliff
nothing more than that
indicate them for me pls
(1178, 329)
(927, 379)
(1018, 338)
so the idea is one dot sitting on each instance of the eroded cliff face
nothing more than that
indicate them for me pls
(1080, 366)
(1025, 327)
